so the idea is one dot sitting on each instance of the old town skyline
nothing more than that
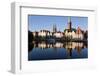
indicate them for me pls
(40, 22)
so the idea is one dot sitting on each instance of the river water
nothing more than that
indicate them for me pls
(58, 50)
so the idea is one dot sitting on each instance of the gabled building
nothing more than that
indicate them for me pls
(44, 33)
(73, 33)
(79, 33)
(58, 34)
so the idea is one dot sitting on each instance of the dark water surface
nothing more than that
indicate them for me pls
(58, 50)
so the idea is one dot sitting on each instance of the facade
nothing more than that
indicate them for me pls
(72, 33)
(44, 33)
(75, 35)
(35, 34)
(79, 33)
(58, 34)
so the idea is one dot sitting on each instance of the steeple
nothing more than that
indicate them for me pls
(69, 24)
(69, 19)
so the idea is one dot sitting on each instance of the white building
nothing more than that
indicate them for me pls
(58, 34)
(44, 33)
(75, 35)
(35, 33)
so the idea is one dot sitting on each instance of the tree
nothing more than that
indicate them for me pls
(30, 36)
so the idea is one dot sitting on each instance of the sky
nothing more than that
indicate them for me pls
(44, 22)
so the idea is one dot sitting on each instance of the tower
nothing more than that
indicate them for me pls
(54, 28)
(69, 24)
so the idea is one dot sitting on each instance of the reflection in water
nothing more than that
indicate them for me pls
(58, 50)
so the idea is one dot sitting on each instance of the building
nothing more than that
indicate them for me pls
(79, 34)
(58, 34)
(44, 33)
(69, 32)
(73, 33)
(35, 34)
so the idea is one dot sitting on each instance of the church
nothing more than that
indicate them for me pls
(73, 33)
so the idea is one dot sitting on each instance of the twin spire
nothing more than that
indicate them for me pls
(69, 25)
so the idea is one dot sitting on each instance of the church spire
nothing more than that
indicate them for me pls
(69, 23)
(69, 19)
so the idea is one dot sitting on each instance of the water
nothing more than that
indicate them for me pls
(58, 50)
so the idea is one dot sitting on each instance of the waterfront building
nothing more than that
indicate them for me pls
(35, 34)
(44, 33)
(73, 33)
(79, 33)
(58, 34)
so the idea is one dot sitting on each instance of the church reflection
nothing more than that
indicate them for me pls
(69, 47)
